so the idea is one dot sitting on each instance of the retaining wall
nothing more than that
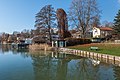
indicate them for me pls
(97, 56)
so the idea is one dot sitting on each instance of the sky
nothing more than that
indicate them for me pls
(16, 15)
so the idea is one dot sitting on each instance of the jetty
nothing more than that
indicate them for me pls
(20, 45)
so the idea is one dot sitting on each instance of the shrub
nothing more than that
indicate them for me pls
(77, 41)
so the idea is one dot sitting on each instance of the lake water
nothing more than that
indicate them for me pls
(41, 65)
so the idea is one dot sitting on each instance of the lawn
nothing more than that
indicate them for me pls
(112, 49)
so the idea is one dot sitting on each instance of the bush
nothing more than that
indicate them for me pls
(77, 41)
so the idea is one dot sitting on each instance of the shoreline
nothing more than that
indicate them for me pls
(115, 60)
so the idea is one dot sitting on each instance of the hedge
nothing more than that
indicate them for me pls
(77, 41)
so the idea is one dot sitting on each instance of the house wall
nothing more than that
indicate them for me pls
(96, 32)
(105, 33)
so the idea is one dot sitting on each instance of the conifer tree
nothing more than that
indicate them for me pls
(117, 23)
(46, 18)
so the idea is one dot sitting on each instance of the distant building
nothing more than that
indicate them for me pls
(75, 33)
(54, 30)
(55, 37)
(102, 32)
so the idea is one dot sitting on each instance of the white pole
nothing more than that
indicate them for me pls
(52, 43)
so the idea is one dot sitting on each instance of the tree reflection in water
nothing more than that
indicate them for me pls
(49, 68)
(5, 48)
(83, 69)
(55, 66)
(117, 72)
(60, 66)
(52, 68)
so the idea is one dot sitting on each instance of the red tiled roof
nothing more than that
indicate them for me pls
(106, 29)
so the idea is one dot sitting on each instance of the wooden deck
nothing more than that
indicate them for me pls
(20, 46)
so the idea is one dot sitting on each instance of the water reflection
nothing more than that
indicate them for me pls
(5, 48)
(70, 68)
(117, 72)
(58, 66)
(50, 67)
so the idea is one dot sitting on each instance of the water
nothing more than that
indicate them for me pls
(27, 65)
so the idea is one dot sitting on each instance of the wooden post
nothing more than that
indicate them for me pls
(77, 52)
(107, 58)
(83, 54)
(93, 55)
(89, 54)
(101, 57)
(114, 59)
(97, 56)
(80, 53)
(86, 54)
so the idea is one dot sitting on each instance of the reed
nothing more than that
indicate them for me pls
(40, 47)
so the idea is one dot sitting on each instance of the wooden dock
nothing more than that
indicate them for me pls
(110, 59)
(20, 46)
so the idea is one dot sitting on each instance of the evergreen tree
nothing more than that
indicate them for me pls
(117, 23)
(46, 18)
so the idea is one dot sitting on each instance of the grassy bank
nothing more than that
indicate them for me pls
(112, 49)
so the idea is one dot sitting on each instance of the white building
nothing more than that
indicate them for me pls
(96, 32)
(102, 32)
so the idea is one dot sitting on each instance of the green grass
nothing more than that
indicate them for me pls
(111, 49)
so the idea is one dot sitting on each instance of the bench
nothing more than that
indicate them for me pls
(94, 48)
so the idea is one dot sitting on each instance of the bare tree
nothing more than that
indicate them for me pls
(4, 37)
(26, 33)
(107, 24)
(83, 13)
(46, 17)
